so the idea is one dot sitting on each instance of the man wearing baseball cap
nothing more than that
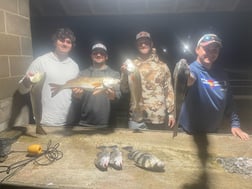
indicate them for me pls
(209, 97)
(96, 109)
(157, 99)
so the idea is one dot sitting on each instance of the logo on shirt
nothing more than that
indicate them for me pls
(213, 83)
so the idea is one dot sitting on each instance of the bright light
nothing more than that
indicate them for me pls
(186, 48)
(164, 50)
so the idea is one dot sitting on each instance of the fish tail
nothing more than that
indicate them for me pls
(137, 114)
(55, 88)
(175, 130)
(40, 130)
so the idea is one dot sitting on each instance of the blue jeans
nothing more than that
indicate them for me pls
(136, 125)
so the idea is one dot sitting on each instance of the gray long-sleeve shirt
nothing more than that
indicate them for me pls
(95, 109)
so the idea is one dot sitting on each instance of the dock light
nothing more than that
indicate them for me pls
(186, 48)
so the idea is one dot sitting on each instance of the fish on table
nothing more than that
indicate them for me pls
(135, 87)
(102, 158)
(96, 84)
(180, 76)
(35, 94)
(116, 158)
(145, 160)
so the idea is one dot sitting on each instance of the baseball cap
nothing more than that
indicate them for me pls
(143, 34)
(208, 39)
(99, 46)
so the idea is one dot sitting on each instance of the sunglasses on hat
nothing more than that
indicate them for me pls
(209, 38)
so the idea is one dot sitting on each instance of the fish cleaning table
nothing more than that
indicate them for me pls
(188, 165)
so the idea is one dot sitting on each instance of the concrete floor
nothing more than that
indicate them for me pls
(189, 163)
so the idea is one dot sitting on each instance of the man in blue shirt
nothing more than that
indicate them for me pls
(208, 98)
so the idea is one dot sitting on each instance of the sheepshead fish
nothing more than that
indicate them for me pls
(87, 83)
(116, 158)
(180, 76)
(135, 87)
(102, 158)
(145, 160)
(35, 95)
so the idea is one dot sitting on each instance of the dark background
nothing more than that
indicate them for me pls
(168, 31)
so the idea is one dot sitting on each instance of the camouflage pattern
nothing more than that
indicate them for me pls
(157, 91)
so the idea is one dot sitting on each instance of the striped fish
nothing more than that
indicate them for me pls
(145, 160)
(102, 158)
(116, 158)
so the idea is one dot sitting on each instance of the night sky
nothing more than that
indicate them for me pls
(169, 31)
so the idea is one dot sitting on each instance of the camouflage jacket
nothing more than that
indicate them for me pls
(157, 90)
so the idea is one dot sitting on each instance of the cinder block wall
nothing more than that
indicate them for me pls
(15, 57)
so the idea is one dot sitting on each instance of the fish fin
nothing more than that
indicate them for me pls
(55, 88)
(128, 148)
(113, 147)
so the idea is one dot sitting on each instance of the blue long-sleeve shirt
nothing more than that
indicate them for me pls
(207, 101)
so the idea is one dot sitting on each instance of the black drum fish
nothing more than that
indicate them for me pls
(35, 95)
(180, 76)
(145, 160)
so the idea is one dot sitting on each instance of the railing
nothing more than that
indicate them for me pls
(241, 83)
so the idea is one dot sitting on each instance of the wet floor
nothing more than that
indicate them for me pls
(190, 162)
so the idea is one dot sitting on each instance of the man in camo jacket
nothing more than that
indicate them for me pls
(157, 91)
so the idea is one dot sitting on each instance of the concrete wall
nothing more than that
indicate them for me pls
(15, 57)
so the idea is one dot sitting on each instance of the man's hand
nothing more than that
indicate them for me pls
(111, 94)
(171, 121)
(77, 92)
(124, 69)
(27, 81)
(236, 131)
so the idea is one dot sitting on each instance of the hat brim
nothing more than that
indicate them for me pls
(144, 37)
(210, 42)
(99, 49)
